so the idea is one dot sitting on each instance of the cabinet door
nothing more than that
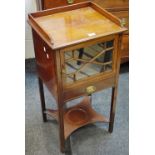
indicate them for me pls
(89, 62)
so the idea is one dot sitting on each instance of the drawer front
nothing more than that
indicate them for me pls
(94, 86)
(125, 46)
(47, 4)
(113, 4)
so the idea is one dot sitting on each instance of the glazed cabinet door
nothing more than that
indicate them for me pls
(88, 62)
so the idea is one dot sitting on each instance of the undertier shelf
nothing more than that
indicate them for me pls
(78, 116)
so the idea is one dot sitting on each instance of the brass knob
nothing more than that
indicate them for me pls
(123, 22)
(90, 90)
(70, 1)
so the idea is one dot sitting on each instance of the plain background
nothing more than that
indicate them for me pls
(142, 77)
(30, 6)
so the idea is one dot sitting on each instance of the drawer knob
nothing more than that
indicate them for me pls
(70, 1)
(90, 90)
(123, 22)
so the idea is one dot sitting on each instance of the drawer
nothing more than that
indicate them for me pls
(47, 4)
(113, 4)
(81, 88)
(125, 46)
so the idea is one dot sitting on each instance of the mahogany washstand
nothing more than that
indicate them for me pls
(58, 35)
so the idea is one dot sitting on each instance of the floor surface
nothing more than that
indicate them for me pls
(42, 138)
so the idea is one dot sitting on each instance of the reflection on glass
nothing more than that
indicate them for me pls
(87, 62)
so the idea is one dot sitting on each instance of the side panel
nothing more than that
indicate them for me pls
(45, 63)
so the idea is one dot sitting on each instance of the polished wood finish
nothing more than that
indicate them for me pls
(48, 4)
(45, 63)
(62, 29)
(69, 27)
(115, 88)
(123, 15)
(60, 102)
(125, 48)
(42, 99)
(78, 116)
(110, 5)
(50, 50)
(119, 8)
(112, 109)
(113, 5)
(80, 88)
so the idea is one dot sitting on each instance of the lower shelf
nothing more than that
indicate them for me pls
(78, 116)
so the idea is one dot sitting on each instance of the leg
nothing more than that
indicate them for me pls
(68, 147)
(112, 110)
(60, 102)
(61, 127)
(42, 99)
(81, 50)
(68, 150)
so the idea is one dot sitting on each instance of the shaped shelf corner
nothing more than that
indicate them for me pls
(78, 116)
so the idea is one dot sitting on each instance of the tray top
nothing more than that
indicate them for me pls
(65, 28)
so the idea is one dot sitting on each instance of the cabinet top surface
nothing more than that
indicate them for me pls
(71, 26)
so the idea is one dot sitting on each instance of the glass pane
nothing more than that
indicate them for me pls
(85, 62)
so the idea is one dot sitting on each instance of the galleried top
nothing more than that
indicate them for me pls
(73, 24)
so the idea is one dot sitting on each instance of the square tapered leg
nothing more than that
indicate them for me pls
(42, 99)
(112, 110)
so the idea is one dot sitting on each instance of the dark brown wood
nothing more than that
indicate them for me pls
(115, 88)
(119, 8)
(112, 5)
(45, 63)
(60, 9)
(78, 116)
(125, 48)
(112, 109)
(51, 61)
(60, 102)
(47, 4)
(51, 41)
(42, 99)
(79, 89)
(61, 124)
